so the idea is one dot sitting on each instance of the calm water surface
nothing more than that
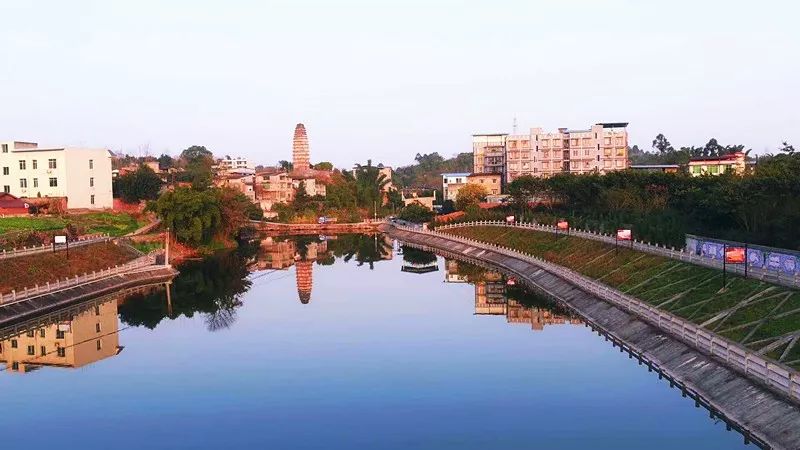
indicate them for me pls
(338, 344)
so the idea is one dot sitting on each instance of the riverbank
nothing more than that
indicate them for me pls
(768, 415)
(367, 226)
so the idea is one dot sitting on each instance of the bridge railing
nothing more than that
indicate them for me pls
(776, 375)
(758, 273)
(67, 283)
(44, 248)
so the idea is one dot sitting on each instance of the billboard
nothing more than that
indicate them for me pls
(60, 239)
(563, 225)
(734, 255)
(624, 235)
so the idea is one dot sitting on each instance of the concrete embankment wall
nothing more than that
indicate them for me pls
(313, 228)
(771, 418)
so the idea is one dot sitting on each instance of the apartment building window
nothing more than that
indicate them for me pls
(5, 148)
(51, 163)
(6, 171)
(91, 164)
(7, 189)
(29, 333)
(1, 347)
(23, 183)
(99, 344)
(91, 199)
(60, 334)
(41, 332)
(43, 350)
(96, 310)
(620, 152)
(31, 350)
(97, 327)
(62, 352)
(607, 141)
(13, 343)
(21, 164)
(53, 182)
(35, 182)
(35, 164)
(91, 181)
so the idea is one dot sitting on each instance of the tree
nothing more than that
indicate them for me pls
(301, 200)
(237, 210)
(324, 165)
(416, 213)
(197, 160)
(712, 148)
(285, 165)
(370, 184)
(394, 199)
(787, 148)
(165, 162)
(661, 144)
(471, 194)
(141, 184)
(194, 216)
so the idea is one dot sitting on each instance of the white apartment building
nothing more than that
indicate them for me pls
(82, 175)
(228, 163)
(452, 183)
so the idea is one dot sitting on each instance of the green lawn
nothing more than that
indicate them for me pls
(115, 224)
(748, 311)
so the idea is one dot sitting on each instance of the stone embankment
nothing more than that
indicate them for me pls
(369, 226)
(765, 413)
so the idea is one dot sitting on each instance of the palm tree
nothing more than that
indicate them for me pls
(370, 184)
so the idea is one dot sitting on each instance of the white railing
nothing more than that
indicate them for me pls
(758, 273)
(78, 280)
(81, 241)
(780, 377)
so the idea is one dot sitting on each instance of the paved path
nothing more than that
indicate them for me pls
(771, 418)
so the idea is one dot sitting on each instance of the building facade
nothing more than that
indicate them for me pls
(228, 163)
(452, 183)
(491, 181)
(601, 148)
(81, 175)
(717, 165)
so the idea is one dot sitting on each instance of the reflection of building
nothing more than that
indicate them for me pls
(87, 337)
(537, 317)
(452, 274)
(490, 294)
(274, 254)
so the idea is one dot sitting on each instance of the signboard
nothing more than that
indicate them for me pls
(734, 255)
(510, 219)
(624, 235)
(563, 225)
(60, 239)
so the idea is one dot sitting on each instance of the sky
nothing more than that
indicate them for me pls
(387, 80)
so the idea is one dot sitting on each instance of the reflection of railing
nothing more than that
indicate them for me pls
(67, 283)
(776, 375)
(759, 273)
(81, 241)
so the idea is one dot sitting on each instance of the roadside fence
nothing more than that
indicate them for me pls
(44, 248)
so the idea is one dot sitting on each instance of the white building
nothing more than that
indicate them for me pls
(82, 175)
(452, 183)
(227, 163)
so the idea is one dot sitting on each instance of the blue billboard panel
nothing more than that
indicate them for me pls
(755, 258)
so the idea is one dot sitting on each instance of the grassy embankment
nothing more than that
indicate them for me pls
(115, 224)
(26, 271)
(747, 311)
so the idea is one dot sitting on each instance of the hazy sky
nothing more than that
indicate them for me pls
(385, 80)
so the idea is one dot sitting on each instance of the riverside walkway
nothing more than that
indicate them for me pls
(759, 395)
(42, 298)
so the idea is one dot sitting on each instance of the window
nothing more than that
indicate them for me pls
(41, 332)
(21, 164)
(91, 199)
(97, 327)
(13, 343)
(14, 365)
(713, 170)
(7, 189)
(5, 171)
(35, 182)
(96, 310)
(1, 347)
(51, 163)
(5, 148)
(43, 350)
(620, 152)
(53, 182)
(35, 164)
(91, 164)
(30, 333)
(31, 350)
(62, 352)
(99, 344)
(60, 334)
(23, 183)
(696, 169)
(91, 181)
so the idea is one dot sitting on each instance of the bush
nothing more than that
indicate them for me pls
(416, 213)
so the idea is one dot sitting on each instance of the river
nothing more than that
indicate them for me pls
(348, 342)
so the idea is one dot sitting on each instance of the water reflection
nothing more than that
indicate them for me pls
(418, 261)
(496, 295)
(70, 338)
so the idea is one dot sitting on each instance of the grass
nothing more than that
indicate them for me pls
(147, 247)
(27, 271)
(115, 224)
(746, 310)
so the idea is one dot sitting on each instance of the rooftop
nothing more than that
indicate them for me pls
(654, 166)
(456, 174)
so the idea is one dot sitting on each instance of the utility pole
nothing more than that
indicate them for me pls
(166, 247)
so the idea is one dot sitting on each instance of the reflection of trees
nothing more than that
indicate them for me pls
(416, 256)
(211, 287)
(364, 248)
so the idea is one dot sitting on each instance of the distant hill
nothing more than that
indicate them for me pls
(426, 173)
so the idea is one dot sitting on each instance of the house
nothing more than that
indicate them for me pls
(10, 204)
(452, 183)
(82, 175)
(717, 165)
(663, 168)
(490, 181)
